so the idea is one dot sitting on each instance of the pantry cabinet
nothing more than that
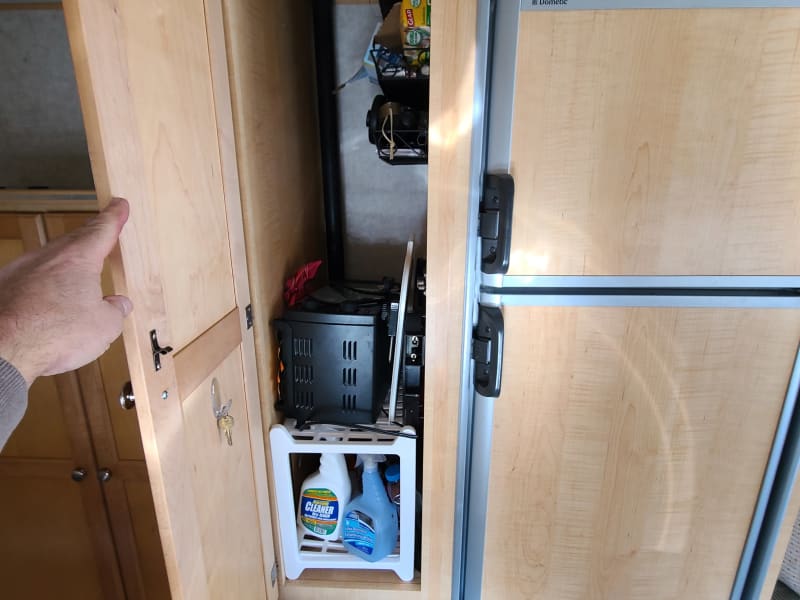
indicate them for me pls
(633, 436)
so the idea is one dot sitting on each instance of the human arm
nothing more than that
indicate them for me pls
(13, 399)
(53, 316)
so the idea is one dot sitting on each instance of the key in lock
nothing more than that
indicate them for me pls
(222, 414)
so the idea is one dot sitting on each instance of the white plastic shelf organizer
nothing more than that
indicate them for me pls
(302, 550)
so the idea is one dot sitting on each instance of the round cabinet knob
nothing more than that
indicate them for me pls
(126, 398)
(104, 475)
(78, 474)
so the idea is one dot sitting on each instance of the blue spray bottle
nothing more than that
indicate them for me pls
(370, 520)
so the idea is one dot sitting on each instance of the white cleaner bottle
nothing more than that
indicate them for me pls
(323, 497)
(370, 520)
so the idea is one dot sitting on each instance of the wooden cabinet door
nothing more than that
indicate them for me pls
(656, 142)
(628, 448)
(57, 540)
(118, 452)
(152, 77)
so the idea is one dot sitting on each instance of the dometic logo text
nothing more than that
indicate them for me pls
(549, 2)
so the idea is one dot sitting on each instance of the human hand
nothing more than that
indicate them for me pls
(53, 316)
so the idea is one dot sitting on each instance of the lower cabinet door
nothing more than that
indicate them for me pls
(628, 448)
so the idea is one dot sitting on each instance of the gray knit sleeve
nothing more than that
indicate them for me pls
(13, 400)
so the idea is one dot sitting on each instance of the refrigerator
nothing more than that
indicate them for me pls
(629, 425)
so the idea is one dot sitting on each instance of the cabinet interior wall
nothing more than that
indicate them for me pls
(384, 205)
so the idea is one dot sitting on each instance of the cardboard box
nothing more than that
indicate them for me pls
(390, 32)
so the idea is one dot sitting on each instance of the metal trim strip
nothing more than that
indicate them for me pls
(562, 5)
(480, 466)
(498, 26)
(503, 81)
(483, 40)
(511, 282)
(773, 497)
(654, 299)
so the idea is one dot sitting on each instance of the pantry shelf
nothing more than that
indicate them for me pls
(302, 550)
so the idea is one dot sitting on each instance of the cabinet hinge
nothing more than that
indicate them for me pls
(487, 351)
(494, 225)
(273, 575)
(248, 315)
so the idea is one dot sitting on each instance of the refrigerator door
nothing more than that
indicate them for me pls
(628, 447)
(645, 439)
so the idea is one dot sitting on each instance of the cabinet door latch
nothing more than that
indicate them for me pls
(487, 351)
(494, 226)
(157, 350)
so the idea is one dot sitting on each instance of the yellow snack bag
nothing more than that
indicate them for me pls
(415, 18)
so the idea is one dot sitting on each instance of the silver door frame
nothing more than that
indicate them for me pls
(466, 459)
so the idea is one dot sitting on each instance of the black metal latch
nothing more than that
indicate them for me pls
(494, 227)
(158, 351)
(487, 351)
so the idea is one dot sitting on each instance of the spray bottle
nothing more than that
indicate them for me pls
(370, 520)
(323, 496)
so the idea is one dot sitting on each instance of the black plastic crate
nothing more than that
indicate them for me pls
(333, 365)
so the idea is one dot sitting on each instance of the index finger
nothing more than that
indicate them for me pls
(95, 240)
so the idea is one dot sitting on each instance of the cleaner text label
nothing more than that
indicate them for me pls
(319, 511)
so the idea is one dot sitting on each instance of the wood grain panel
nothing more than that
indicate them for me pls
(106, 557)
(35, 467)
(270, 63)
(153, 104)
(221, 80)
(46, 551)
(10, 249)
(169, 108)
(332, 584)
(41, 201)
(657, 142)
(148, 544)
(451, 120)
(9, 232)
(224, 493)
(194, 362)
(114, 373)
(629, 446)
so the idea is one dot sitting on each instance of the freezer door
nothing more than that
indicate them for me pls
(650, 142)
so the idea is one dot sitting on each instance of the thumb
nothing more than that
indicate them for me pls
(122, 303)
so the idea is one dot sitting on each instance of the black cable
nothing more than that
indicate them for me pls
(370, 428)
